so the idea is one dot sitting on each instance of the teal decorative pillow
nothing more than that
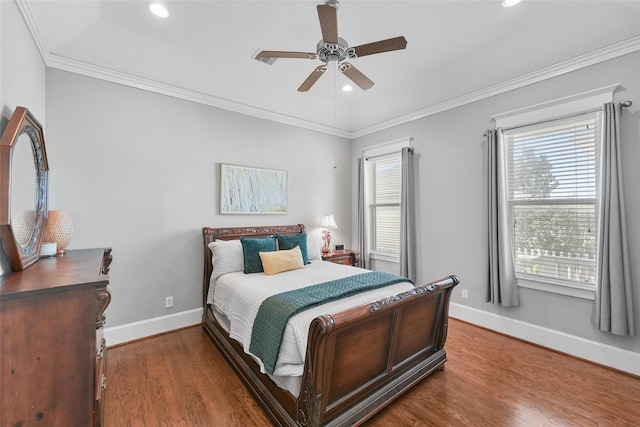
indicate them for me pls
(251, 248)
(290, 242)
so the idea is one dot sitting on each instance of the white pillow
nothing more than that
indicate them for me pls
(314, 246)
(227, 257)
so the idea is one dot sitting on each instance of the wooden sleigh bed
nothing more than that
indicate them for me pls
(357, 361)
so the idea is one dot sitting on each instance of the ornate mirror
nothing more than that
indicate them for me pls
(24, 173)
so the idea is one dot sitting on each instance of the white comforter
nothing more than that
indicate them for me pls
(238, 296)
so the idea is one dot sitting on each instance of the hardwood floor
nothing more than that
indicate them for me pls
(180, 379)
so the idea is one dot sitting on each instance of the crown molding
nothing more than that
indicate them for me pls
(27, 15)
(82, 68)
(78, 67)
(601, 55)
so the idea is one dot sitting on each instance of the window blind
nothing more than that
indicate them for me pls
(384, 181)
(552, 174)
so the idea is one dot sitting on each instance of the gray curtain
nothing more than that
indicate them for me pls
(614, 300)
(408, 257)
(363, 244)
(503, 288)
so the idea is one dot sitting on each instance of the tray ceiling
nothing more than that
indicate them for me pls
(457, 52)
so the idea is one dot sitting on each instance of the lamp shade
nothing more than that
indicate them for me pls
(328, 221)
(59, 229)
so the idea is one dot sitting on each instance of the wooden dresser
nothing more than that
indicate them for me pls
(52, 354)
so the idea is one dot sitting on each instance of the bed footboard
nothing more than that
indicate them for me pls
(400, 341)
(357, 361)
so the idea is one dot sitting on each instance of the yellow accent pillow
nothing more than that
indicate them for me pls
(279, 261)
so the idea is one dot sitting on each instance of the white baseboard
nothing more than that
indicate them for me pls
(603, 354)
(157, 325)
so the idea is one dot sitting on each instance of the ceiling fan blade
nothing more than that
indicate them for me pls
(396, 43)
(356, 76)
(312, 79)
(280, 54)
(328, 23)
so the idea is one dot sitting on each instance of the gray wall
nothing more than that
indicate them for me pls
(22, 75)
(453, 190)
(140, 172)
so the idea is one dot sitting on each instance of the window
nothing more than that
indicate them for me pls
(552, 190)
(383, 200)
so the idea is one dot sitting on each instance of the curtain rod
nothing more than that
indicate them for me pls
(386, 154)
(624, 104)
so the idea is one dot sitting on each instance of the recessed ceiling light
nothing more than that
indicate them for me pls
(509, 3)
(347, 88)
(158, 10)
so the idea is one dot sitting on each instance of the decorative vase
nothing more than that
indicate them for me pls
(326, 237)
(59, 229)
(23, 224)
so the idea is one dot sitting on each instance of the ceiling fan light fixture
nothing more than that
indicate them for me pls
(158, 9)
(333, 3)
(327, 52)
(332, 48)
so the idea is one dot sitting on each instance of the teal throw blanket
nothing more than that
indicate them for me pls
(275, 311)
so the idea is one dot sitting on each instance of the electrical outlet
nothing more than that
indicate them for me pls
(168, 302)
(465, 294)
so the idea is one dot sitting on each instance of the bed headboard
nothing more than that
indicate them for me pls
(230, 233)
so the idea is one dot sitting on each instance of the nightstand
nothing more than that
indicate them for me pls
(345, 257)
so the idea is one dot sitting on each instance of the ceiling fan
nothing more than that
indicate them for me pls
(334, 48)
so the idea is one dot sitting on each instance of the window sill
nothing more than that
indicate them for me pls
(557, 288)
(386, 257)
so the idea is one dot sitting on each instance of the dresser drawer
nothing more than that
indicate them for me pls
(345, 260)
(344, 257)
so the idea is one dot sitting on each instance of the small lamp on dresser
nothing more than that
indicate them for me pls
(328, 223)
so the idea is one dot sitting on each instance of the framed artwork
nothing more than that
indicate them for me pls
(247, 190)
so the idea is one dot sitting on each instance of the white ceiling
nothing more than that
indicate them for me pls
(457, 51)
